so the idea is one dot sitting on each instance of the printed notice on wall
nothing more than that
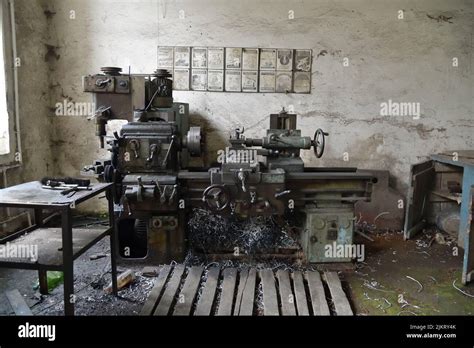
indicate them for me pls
(165, 58)
(285, 60)
(233, 80)
(233, 58)
(215, 58)
(249, 81)
(199, 58)
(268, 59)
(199, 80)
(303, 60)
(267, 81)
(283, 82)
(215, 80)
(250, 59)
(302, 82)
(181, 79)
(181, 57)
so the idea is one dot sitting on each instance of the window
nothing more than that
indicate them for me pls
(9, 147)
(4, 119)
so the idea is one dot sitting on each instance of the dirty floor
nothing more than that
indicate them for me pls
(412, 277)
(396, 278)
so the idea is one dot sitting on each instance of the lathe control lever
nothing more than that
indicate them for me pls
(135, 146)
(242, 176)
(153, 150)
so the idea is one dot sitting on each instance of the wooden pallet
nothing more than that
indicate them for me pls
(201, 292)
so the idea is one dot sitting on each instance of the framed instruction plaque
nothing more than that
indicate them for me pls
(165, 58)
(267, 82)
(233, 80)
(199, 58)
(215, 58)
(285, 60)
(249, 81)
(182, 57)
(268, 59)
(215, 80)
(233, 58)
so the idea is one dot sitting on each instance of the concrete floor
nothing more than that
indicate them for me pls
(90, 276)
(381, 286)
(374, 286)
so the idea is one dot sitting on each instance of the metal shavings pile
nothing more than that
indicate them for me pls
(200, 290)
(275, 264)
(91, 301)
(259, 299)
(212, 233)
(218, 295)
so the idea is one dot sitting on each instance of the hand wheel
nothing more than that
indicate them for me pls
(319, 142)
(216, 197)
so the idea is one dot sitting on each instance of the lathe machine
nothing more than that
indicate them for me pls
(156, 190)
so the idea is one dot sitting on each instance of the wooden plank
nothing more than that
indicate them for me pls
(188, 293)
(228, 291)
(270, 301)
(248, 294)
(18, 302)
(286, 293)
(169, 294)
(156, 291)
(204, 305)
(243, 276)
(300, 294)
(316, 292)
(341, 303)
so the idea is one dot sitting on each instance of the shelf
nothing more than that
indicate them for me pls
(448, 195)
(49, 245)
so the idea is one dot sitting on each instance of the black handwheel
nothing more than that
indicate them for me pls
(216, 197)
(319, 141)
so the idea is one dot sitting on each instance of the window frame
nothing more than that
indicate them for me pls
(13, 158)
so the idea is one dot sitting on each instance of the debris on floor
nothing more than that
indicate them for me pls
(377, 286)
(123, 280)
(422, 281)
(150, 271)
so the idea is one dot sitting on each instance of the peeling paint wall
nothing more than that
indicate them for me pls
(403, 60)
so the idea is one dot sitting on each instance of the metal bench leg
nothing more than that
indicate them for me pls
(68, 262)
(43, 282)
(113, 242)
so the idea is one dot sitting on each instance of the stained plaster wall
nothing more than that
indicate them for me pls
(405, 60)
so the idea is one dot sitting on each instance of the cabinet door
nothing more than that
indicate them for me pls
(421, 182)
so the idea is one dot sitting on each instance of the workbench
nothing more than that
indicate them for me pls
(57, 248)
(424, 183)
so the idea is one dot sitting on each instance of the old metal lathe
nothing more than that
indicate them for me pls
(156, 189)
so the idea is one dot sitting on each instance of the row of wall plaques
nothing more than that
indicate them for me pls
(235, 69)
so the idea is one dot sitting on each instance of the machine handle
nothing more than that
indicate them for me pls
(319, 142)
